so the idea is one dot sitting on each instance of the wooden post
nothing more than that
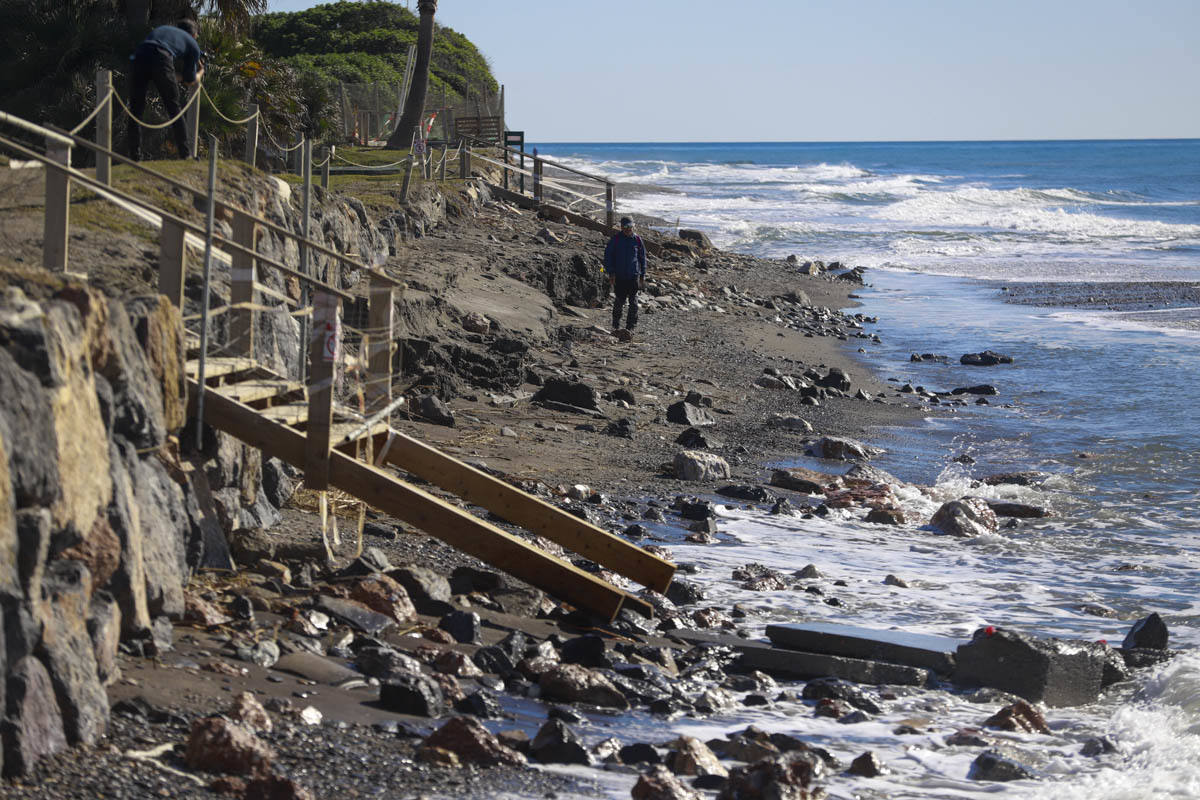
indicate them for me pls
(464, 161)
(609, 204)
(172, 262)
(298, 158)
(322, 362)
(252, 137)
(408, 168)
(537, 179)
(56, 228)
(306, 223)
(193, 121)
(505, 168)
(445, 158)
(381, 313)
(328, 157)
(242, 275)
(104, 126)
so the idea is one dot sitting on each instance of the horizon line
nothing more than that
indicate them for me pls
(869, 141)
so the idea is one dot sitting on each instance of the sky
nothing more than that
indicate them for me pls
(837, 70)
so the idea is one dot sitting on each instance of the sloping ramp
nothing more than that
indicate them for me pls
(431, 514)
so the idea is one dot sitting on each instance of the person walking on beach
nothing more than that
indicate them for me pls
(168, 56)
(625, 263)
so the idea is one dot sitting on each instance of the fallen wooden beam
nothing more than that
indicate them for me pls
(422, 510)
(531, 513)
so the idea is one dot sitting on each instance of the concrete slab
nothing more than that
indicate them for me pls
(796, 665)
(920, 650)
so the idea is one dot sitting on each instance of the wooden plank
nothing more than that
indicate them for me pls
(57, 224)
(242, 278)
(341, 429)
(381, 315)
(172, 261)
(252, 391)
(220, 366)
(288, 414)
(323, 350)
(530, 512)
(422, 510)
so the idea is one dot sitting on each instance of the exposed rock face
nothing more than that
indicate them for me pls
(218, 745)
(33, 728)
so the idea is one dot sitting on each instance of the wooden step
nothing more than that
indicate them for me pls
(422, 510)
(287, 414)
(255, 389)
(220, 366)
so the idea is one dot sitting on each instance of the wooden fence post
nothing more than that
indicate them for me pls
(537, 179)
(172, 262)
(609, 204)
(298, 158)
(252, 136)
(104, 126)
(408, 168)
(381, 314)
(323, 353)
(242, 275)
(328, 153)
(464, 162)
(445, 158)
(193, 121)
(56, 228)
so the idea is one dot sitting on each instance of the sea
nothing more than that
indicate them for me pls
(1081, 260)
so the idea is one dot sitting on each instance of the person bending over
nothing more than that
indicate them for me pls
(625, 263)
(170, 55)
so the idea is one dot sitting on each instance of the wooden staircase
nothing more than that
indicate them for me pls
(266, 411)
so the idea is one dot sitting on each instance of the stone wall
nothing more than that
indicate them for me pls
(101, 520)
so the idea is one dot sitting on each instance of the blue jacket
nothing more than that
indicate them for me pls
(625, 257)
(179, 43)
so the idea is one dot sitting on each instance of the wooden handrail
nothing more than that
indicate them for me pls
(317, 246)
(167, 217)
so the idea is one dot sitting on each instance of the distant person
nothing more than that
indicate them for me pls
(170, 55)
(625, 263)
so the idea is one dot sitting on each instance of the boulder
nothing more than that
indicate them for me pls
(555, 743)
(695, 465)
(991, 765)
(684, 413)
(840, 448)
(385, 596)
(572, 683)
(1025, 478)
(751, 494)
(1018, 510)
(386, 664)
(1149, 633)
(980, 389)
(1050, 671)
(475, 322)
(970, 516)
(696, 439)
(698, 238)
(1020, 716)
(413, 693)
(247, 711)
(690, 756)
(33, 728)
(792, 776)
(789, 423)
(464, 626)
(428, 590)
(660, 784)
(355, 614)
(836, 378)
(987, 358)
(104, 629)
(472, 743)
(431, 408)
(218, 745)
(568, 392)
(802, 480)
(867, 765)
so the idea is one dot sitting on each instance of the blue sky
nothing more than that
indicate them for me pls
(844, 70)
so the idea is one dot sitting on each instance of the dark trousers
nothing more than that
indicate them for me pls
(158, 66)
(626, 289)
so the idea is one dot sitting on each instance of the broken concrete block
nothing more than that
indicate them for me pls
(1050, 671)
(898, 647)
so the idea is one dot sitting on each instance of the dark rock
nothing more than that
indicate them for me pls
(867, 765)
(695, 509)
(571, 393)
(415, 694)
(840, 448)
(482, 704)
(885, 516)
(682, 592)
(1147, 633)
(639, 753)
(218, 745)
(572, 683)
(493, 659)
(660, 784)
(356, 615)
(431, 408)
(385, 663)
(980, 389)
(1138, 658)
(1098, 746)
(990, 765)
(1050, 671)
(698, 238)
(555, 743)
(835, 379)
(464, 626)
(566, 714)
(33, 728)
(1026, 478)
(623, 428)
(987, 358)
(514, 645)
(277, 482)
(1020, 716)
(684, 413)
(586, 650)
(696, 439)
(428, 590)
(1018, 510)
(792, 776)
(751, 494)
(837, 689)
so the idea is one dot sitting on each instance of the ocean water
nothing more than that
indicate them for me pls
(1102, 397)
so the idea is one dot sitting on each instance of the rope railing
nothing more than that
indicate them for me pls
(157, 126)
(217, 110)
(100, 104)
(404, 160)
(266, 132)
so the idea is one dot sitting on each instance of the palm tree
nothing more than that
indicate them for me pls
(414, 105)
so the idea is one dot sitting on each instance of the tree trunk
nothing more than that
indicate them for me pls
(414, 104)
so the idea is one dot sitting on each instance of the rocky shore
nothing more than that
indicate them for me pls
(413, 670)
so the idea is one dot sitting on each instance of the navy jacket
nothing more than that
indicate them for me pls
(179, 43)
(625, 257)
